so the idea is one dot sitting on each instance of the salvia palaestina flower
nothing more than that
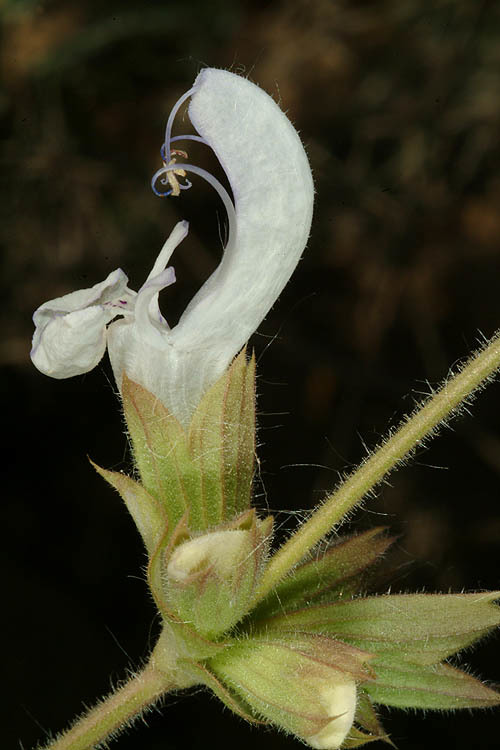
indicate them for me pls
(309, 653)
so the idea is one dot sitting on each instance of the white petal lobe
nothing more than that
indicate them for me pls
(70, 331)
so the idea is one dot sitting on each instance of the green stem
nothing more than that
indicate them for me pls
(115, 712)
(421, 424)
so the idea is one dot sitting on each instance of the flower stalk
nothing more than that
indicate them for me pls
(116, 712)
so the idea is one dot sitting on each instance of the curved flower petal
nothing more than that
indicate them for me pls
(273, 192)
(271, 181)
(70, 331)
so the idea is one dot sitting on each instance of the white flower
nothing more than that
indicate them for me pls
(269, 224)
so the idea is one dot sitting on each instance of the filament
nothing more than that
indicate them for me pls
(161, 174)
(213, 181)
(171, 117)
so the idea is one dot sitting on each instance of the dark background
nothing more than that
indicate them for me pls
(398, 103)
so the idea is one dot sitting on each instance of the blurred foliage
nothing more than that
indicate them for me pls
(397, 102)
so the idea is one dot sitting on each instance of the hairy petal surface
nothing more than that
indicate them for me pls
(272, 186)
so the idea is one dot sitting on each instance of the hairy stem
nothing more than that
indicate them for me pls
(424, 421)
(114, 713)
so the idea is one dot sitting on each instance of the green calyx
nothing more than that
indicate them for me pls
(304, 683)
(207, 470)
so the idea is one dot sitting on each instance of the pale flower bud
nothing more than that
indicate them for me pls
(218, 553)
(303, 683)
(339, 700)
(210, 579)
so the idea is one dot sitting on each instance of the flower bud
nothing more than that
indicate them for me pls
(211, 578)
(306, 684)
(220, 551)
(338, 698)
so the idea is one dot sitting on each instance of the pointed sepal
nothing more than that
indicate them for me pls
(358, 738)
(161, 453)
(333, 575)
(420, 628)
(149, 515)
(434, 686)
(222, 442)
(367, 725)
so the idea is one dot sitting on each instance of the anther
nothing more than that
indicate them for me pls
(171, 174)
(168, 173)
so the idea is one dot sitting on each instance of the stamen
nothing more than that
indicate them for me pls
(171, 117)
(176, 186)
(172, 177)
(167, 174)
(173, 151)
(214, 182)
(197, 138)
